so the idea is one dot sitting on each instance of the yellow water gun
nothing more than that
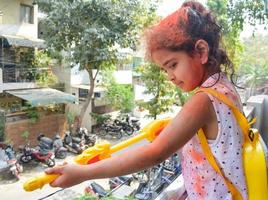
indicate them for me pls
(101, 151)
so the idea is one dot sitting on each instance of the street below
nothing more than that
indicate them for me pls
(13, 190)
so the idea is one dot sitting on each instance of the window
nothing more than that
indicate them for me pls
(26, 14)
(83, 93)
(97, 95)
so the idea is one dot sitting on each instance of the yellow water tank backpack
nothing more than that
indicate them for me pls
(254, 154)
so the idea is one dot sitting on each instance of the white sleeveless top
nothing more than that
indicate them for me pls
(201, 180)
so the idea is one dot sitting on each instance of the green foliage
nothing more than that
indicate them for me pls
(254, 66)
(38, 65)
(2, 125)
(164, 93)
(70, 118)
(91, 29)
(27, 57)
(44, 75)
(31, 113)
(25, 135)
(94, 31)
(85, 197)
(100, 118)
(232, 16)
(46, 78)
(121, 97)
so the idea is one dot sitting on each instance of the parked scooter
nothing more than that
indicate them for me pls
(73, 144)
(9, 163)
(56, 145)
(59, 149)
(37, 154)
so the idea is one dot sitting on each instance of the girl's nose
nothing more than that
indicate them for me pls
(171, 77)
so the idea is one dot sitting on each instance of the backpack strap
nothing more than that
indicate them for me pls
(241, 119)
(204, 144)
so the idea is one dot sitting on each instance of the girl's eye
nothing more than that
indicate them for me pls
(173, 65)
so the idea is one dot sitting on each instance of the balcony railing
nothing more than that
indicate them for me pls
(17, 74)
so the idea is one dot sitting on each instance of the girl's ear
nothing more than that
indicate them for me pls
(202, 48)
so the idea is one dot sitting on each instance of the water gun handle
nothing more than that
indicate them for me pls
(39, 181)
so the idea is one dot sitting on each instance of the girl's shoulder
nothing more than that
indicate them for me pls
(222, 84)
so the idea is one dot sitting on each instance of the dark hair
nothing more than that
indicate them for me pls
(180, 31)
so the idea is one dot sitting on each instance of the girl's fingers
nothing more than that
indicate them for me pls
(55, 183)
(55, 170)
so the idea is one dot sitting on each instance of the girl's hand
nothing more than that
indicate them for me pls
(70, 174)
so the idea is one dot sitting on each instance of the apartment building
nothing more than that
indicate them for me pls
(19, 44)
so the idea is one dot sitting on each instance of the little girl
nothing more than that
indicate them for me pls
(186, 45)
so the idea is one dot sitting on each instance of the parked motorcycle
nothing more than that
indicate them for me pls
(125, 126)
(37, 154)
(73, 144)
(118, 181)
(129, 124)
(90, 139)
(9, 163)
(112, 130)
(55, 145)
(134, 122)
(96, 190)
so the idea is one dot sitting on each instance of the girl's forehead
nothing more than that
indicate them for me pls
(163, 56)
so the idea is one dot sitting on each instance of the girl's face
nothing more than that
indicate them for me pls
(186, 72)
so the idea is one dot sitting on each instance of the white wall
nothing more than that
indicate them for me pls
(82, 77)
(123, 76)
(11, 24)
(139, 93)
(79, 77)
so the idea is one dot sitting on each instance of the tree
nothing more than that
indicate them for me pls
(254, 65)
(233, 15)
(164, 93)
(93, 31)
(118, 95)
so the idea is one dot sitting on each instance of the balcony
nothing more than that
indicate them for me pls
(21, 75)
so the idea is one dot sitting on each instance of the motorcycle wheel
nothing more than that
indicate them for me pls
(129, 130)
(61, 154)
(25, 159)
(118, 134)
(50, 162)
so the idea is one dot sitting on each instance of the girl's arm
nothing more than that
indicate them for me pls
(196, 113)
